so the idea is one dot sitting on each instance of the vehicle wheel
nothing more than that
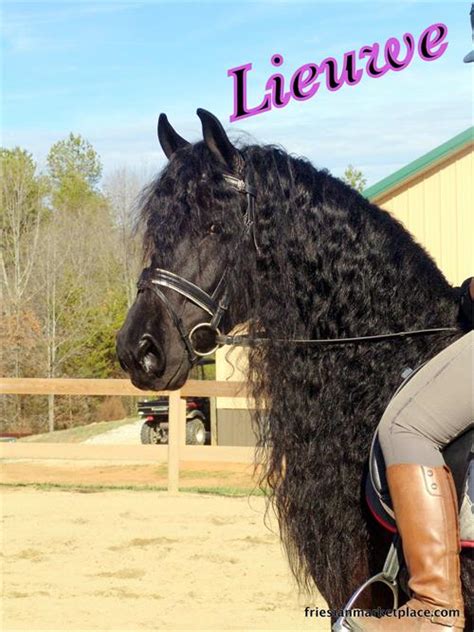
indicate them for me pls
(151, 433)
(195, 432)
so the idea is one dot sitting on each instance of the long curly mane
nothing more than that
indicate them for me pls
(332, 265)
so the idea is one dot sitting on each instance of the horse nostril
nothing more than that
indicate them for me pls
(123, 364)
(150, 356)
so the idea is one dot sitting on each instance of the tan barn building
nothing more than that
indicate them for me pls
(433, 197)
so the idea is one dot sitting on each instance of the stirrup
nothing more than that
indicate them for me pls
(388, 576)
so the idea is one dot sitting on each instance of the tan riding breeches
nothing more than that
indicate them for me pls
(433, 408)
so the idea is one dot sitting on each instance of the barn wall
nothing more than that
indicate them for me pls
(231, 365)
(234, 426)
(437, 208)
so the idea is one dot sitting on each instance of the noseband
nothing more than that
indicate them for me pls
(217, 303)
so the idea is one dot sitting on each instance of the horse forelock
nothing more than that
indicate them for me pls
(188, 192)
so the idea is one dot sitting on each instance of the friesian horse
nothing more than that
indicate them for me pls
(252, 234)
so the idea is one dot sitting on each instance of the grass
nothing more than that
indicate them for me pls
(190, 474)
(78, 434)
(90, 489)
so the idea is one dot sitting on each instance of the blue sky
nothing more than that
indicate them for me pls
(107, 69)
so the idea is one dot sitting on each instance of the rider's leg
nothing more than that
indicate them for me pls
(431, 410)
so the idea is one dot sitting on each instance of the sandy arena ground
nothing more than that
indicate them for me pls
(135, 560)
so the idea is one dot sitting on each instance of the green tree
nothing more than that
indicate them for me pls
(98, 357)
(355, 178)
(74, 155)
(75, 170)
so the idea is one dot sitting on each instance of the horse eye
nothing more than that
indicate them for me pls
(214, 229)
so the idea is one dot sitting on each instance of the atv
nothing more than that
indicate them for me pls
(154, 412)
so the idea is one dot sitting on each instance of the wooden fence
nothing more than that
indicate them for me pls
(173, 453)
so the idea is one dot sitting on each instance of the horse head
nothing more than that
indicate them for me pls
(195, 216)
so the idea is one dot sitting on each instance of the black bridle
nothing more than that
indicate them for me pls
(217, 303)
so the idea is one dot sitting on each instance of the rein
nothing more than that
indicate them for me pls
(245, 341)
(217, 303)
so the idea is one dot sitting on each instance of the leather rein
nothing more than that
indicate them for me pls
(217, 303)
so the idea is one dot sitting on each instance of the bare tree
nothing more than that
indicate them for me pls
(77, 265)
(122, 188)
(22, 198)
(22, 211)
(67, 272)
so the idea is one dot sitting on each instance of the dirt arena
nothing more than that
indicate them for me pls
(143, 560)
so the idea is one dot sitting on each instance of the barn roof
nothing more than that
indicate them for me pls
(414, 169)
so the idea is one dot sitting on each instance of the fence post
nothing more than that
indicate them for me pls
(213, 408)
(176, 437)
(182, 421)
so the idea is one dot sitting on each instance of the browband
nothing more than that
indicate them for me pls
(241, 185)
(188, 289)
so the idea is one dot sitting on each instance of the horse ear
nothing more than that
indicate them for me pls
(170, 140)
(217, 141)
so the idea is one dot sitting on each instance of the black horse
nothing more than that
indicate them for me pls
(295, 253)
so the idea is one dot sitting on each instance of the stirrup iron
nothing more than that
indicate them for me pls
(388, 576)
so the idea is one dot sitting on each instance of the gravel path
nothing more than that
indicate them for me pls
(125, 435)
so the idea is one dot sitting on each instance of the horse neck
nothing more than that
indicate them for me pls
(342, 265)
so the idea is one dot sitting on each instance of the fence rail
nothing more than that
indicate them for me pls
(173, 453)
(73, 386)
